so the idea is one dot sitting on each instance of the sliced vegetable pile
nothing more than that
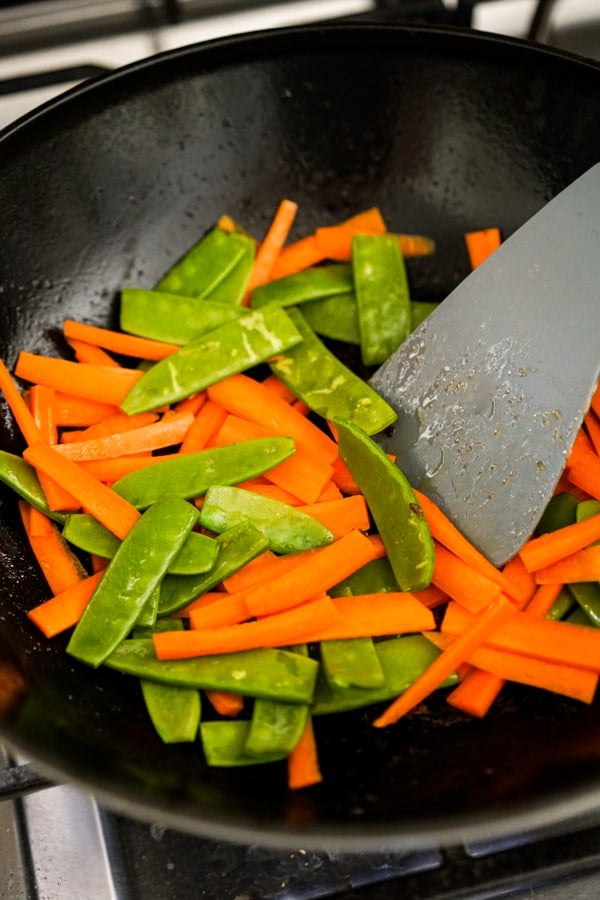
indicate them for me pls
(206, 499)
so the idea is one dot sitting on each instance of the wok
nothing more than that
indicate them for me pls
(446, 131)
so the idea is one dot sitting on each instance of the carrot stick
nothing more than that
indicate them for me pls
(592, 426)
(275, 238)
(522, 582)
(65, 609)
(89, 353)
(41, 399)
(203, 429)
(375, 615)
(335, 241)
(110, 470)
(104, 383)
(296, 257)
(77, 412)
(580, 684)
(585, 475)
(415, 245)
(273, 491)
(542, 601)
(279, 388)
(199, 602)
(230, 609)
(328, 566)
(584, 565)
(265, 567)
(226, 703)
(330, 492)
(432, 596)
(118, 341)
(191, 404)
(281, 629)
(541, 552)
(303, 762)
(61, 568)
(462, 583)
(481, 243)
(554, 641)
(458, 652)
(18, 406)
(116, 424)
(167, 432)
(341, 516)
(103, 503)
(249, 399)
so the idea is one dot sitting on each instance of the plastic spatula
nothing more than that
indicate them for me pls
(492, 388)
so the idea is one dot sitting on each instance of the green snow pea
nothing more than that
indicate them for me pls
(148, 613)
(19, 475)
(272, 674)
(174, 711)
(402, 659)
(204, 265)
(287, 529)
(197, 554)
(334, 317)
(376, 577)
(231, 290)
(224, 744)
(562, 606)
(275, 727)
(352, 663)
(131, 578)
(419, 310)
(560, 511)
(393, 505)
(587, 595)
(227, 350)
(578, 617)
(383, 299)
(191, 474)
(172, 317)
(311, 284)
(237, 546)
(329, 387)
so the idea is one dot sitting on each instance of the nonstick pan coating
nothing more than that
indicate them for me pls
(108, 185)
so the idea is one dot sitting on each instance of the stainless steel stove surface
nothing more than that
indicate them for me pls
(56, 842)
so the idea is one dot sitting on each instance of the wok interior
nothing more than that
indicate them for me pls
(445, 132)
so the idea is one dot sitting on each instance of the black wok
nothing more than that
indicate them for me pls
(108, 185)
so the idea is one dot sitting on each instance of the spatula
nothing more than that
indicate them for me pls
(492, 387)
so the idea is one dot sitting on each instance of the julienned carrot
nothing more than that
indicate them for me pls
(192, 404)
(328, 566)
(432, 596)
(64, 610)
(580, 684)
(415, 244)
(245, 397)
(303, 762)
(302, 474)
(584, 565)
(481, 244)
(104, 504)
(266, 567)
(282, 629)
(106, 384)
(269, 249)
(540, 552)
(273, 491)
(118, 341)
(446, 533)
(78, 412)
(226, 703)
(110, 470)
(461, 582)
(330, 492)
(554, 641)
(167, 432)
(592, 427)
(282, 390)
(61, 568)
(116, 424)
(89, 353)
(203, 429)
(522, 582)
(230, 609)
(543, 600)
(41, 401)
(375, 615)
(446, 663)
(18, 406)
(335, 241)
(200, 602)
(585, 475)
(341, 516)
(297, 257)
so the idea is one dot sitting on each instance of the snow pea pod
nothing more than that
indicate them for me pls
(384, 313)
(224, 745)
(237, 546)
(174, 711)
(227, 350)
(19, 475)
(191, 474)
(375, 577)
(325, 384)
(131, 578)
(231, 290)
(275, 727)
(287, 529)
(204, 265)
(311, 284)
(268, 673)
(172, 317)
(352, 663)
(587, 595)
(197, 554)
(334, 317)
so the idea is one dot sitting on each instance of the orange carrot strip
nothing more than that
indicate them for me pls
(432, 596)
(118, 341)
(541, 552)
(343, 479)
(446, 663)
(303, 762)
(77, 412)
(584, 565)
(335, 241)
(375, 615)
(328, 566)
(61, 568)
(482, 243)
(64, 610)
(200, 602)
(230, 609)
(275, 238)
(18, 406)
(88, 353)
(104, 383)
(273, 491)
(103, 503)
(330, 492)
(116, 424)
(464, 584)
(279, 630)
(341, 516)
(592, 426)
(265, 567)
(585, 475)
(296, 257)
(522, 582)
(580, 684)
(542, 601)
(279, 388)
(41, 400)
(554, 641)
(191, 404)
(245, 397)
(110, 470)
(167, 432)
(205, 426)
(225, 703)
(415, 245)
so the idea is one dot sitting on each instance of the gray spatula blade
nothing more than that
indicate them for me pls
(491, 389)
